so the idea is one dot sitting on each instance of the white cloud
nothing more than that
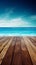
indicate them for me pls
(33, 17)
(7, 13)
(18, 22)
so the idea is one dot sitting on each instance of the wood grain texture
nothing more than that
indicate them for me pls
(18, 51)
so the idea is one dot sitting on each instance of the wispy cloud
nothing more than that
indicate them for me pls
(7, 13)
(33, 17)
(7, 21)
(17, 22)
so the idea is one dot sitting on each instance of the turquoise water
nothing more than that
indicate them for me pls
(17, 31)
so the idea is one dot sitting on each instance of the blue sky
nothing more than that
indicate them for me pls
(17, 13)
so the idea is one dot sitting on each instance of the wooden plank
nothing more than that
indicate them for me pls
(17, 53)
(3, 45)
(30, 49)
(2, 41)
(2, 54)
(32, 39)
(32, 45)
(2, 37)
(9, 55)
(26, 60)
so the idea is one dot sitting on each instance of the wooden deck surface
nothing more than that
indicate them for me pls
(17, 50)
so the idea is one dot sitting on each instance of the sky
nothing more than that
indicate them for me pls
(17, 13)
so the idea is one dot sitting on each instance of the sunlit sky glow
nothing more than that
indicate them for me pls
(17, 13)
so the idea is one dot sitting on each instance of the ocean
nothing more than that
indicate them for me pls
(17, 31)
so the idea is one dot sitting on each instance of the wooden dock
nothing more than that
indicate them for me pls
(18, 50)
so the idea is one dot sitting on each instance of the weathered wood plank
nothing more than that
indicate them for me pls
(17, 53)
(30, 49)
(2, 54)
(2, 41)
(26, 60)
(32, 40)
(9, 55)
(3, 45)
